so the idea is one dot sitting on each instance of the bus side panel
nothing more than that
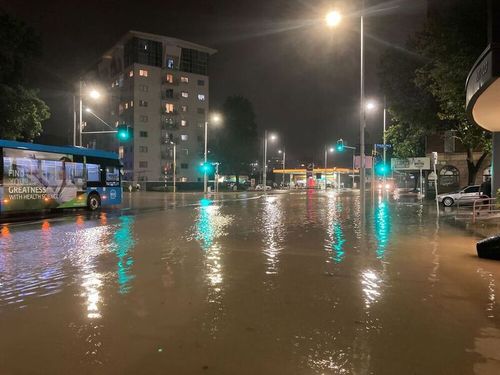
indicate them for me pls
(111, 195)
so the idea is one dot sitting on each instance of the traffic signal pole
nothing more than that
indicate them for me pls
(205, 177)
(264, 165)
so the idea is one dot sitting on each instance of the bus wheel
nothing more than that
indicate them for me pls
(93, 202)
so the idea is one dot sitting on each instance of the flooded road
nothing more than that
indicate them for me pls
(247, 284)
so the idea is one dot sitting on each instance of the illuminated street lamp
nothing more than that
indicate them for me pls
(371, 106)
(215, 118)
(332, 20)
(92, 94)
(271, 137)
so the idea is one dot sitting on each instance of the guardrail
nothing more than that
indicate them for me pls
(484, 207)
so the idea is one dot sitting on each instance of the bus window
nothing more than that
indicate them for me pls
(93, 173)
(112, 176)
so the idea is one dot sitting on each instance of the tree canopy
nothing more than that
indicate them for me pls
(235, 141)
(425, 85)
(21, 110)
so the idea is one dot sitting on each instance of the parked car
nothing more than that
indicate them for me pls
(261, 187)
(466, 195)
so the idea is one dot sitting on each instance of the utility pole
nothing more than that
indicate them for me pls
(264, 165)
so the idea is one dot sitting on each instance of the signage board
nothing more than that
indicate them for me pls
(368, 162)
(411, 164)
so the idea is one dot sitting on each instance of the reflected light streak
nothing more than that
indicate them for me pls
(273, 229)
(370, 283)
(124, 241)
(210, 225)
(92, 283)
(335, 240)
(383, 224)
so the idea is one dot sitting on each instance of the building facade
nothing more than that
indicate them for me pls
(159, 86)
(452, 169)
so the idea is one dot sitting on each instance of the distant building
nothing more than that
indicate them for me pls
(452, 167)
(159, 86)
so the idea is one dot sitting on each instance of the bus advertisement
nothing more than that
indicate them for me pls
(39, 177)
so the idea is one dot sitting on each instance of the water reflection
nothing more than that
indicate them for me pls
(123, 242)
(335, 234)
(273, 232)
(383, 224)
(492, 299)
(371, 285)
(210, 225)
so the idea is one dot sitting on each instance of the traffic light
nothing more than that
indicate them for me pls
(207, 168)
(124, 133)
(340, 145)
(381, 169)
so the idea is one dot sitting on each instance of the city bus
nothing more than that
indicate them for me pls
(35, 177)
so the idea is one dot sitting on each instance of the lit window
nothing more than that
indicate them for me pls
(169, 108)
(184, 79)
(184, 94)
(126, 105)
(143, 72)
(201, 97)
(169, 78)
(184, 108)
(131, 73)
(184, 137)
(170, 63)
(120, 152)
(131, 103)
(184, 123)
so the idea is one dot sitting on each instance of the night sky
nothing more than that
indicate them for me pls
(302, 78)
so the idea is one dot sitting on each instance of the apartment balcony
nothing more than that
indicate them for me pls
(169, 113)
(167, 97)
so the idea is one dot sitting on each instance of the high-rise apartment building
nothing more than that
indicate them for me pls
(159, 86)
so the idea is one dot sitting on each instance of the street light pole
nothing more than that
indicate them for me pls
(384, 138)
(326, 162)
(362, 122)
(205, 177)
(74, 120)
(175, 165)
(80, 125)
(264, 165)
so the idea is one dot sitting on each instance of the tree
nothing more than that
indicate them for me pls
(412, 109)
(451, 43)
(21, 110)
(235, 143)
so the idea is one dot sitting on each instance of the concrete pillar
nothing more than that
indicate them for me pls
(495, 164)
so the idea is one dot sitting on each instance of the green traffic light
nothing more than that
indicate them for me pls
(207, 168)
(382, 169)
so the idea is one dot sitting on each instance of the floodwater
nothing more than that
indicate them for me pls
(247, 284)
